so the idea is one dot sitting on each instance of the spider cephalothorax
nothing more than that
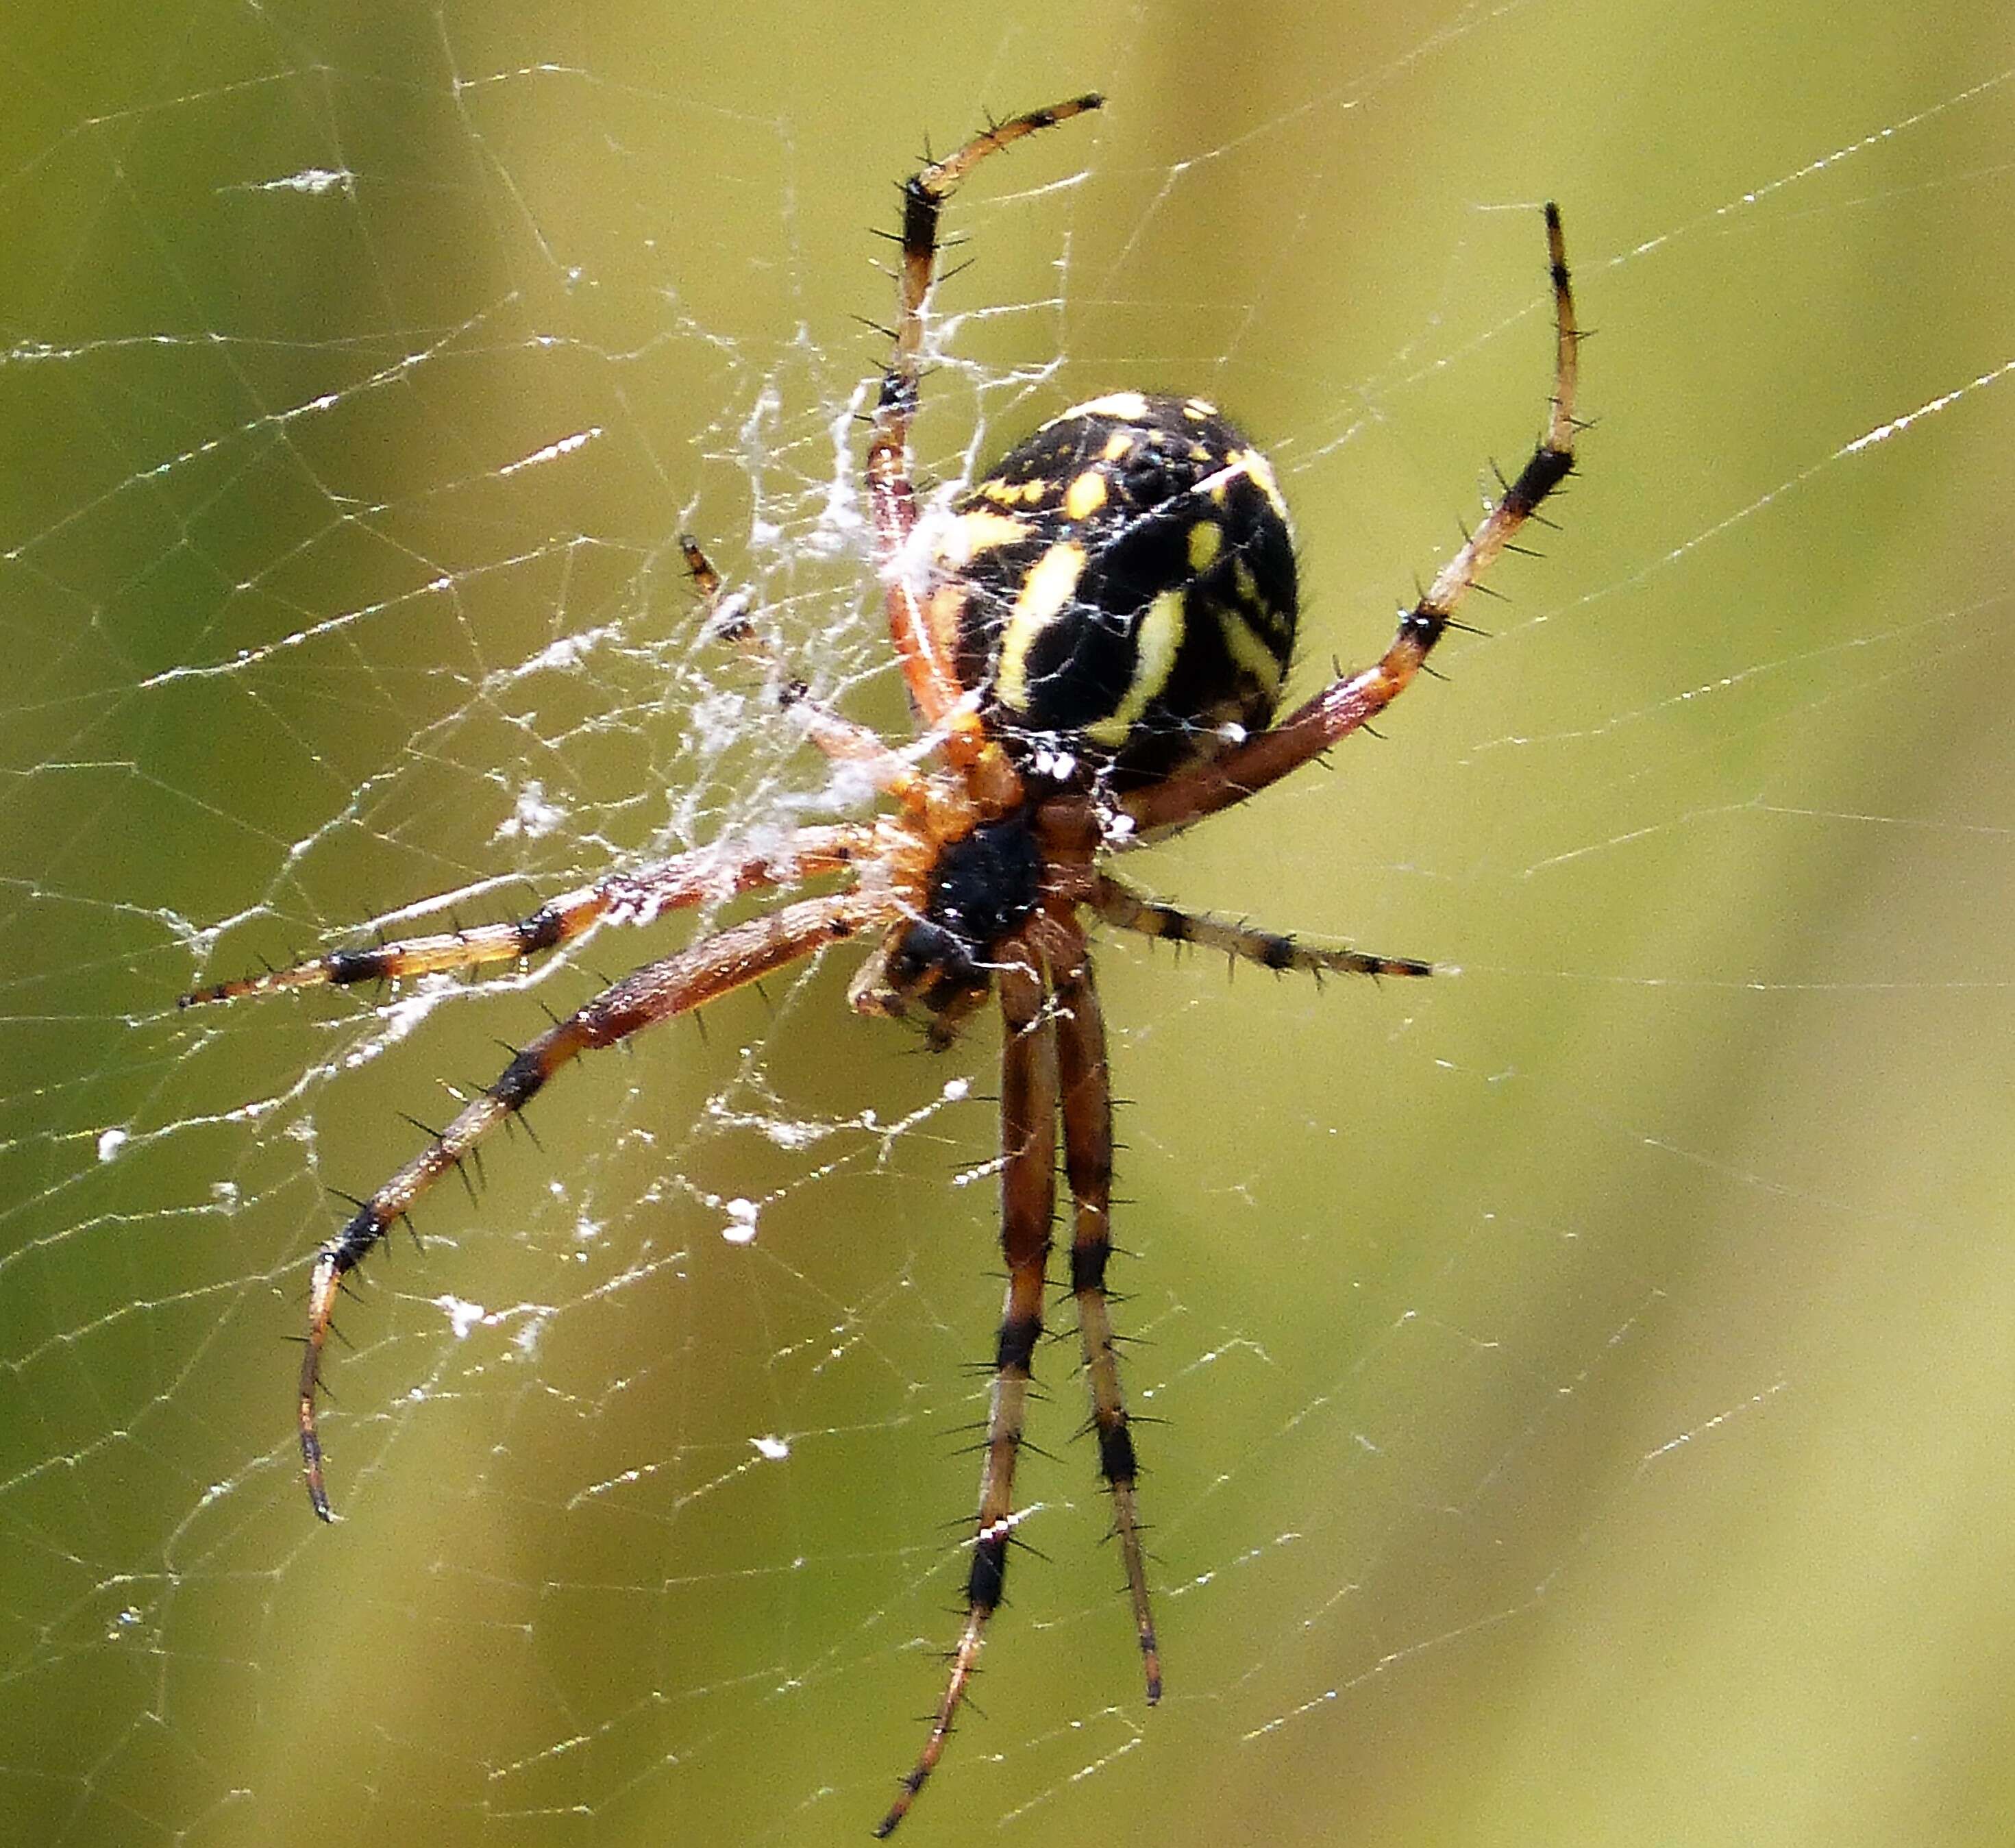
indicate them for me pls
(1096, 651)
(982, 888)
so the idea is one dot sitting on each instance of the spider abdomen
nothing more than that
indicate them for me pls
(1123, 583)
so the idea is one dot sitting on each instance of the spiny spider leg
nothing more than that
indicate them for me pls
(1343, 706)
(1120, 904)
(678, 983)
(934, 684)
(731, 619)
(1028, 1203)
(709, 875)
(1087, 1091)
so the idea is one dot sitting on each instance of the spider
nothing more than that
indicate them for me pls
(1094, 640)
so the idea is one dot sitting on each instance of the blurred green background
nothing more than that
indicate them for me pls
(1585, 1382)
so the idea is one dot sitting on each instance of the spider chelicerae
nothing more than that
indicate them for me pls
(1094, 640)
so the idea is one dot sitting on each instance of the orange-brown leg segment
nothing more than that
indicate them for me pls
(933, 685)
(841, 738)
(1028, 1202)
(708, 876)
(677, 984)
(1086, 1090)
(1340, 708)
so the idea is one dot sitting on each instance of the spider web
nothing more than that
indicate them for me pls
(1579, 1384)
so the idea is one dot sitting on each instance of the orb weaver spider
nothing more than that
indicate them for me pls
(1095, 644)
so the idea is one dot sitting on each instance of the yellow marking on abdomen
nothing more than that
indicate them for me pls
(979, 530)
(1129, 406)
(1243, 643)
(1048, 587)
(1260, 472)
(1156, 644)
(1085, 496)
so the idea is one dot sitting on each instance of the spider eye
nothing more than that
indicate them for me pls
(1122, 586)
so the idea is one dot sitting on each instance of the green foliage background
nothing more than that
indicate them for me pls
(1586, 1381)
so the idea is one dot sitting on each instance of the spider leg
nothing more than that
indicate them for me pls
(729, 618)
(1120, 904)
(677, 984)
(1028, 1201)
(1087, 1119)
(621, 898)
(1340, 708)
(933, 682)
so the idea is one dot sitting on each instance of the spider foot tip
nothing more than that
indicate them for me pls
(912, 1782)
